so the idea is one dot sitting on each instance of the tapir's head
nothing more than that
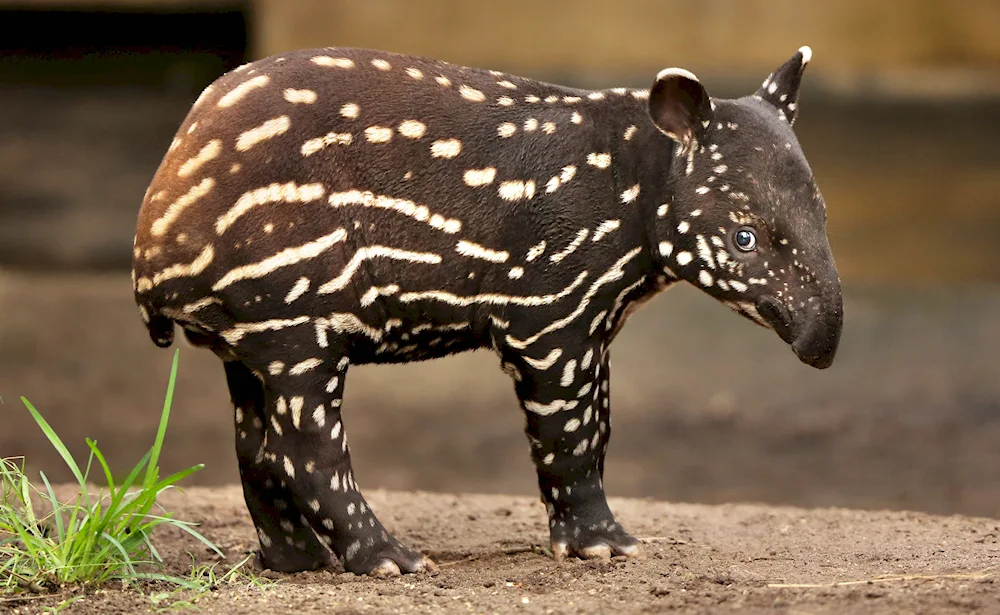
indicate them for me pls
(746, 222)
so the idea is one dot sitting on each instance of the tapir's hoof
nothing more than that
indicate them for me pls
(390, 559)
(390, 568)
(602, 548)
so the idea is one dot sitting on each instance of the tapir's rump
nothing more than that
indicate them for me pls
(337, 206)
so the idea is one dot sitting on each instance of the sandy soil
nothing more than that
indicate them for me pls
(699, 559)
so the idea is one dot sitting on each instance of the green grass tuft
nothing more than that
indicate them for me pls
(90, 539)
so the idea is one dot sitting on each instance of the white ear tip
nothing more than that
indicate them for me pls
(666, 73)
(807, 54)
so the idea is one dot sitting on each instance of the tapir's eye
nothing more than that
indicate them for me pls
(745, 240)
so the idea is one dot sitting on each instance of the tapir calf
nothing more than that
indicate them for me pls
(336, 206)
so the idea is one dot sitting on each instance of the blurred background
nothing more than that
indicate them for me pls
(900, 119)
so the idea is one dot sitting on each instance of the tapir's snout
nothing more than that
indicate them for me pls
(814, 333)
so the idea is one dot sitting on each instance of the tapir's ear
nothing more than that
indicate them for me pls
(781, 88)
(680, 106)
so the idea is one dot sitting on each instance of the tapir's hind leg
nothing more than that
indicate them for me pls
(287, 543)
(304, 447)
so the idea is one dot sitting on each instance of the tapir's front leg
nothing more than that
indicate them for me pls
(564, 393)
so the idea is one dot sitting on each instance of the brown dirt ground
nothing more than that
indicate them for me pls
(699, 559)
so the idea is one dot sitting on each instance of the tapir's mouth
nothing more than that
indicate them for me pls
(814, 338)
(777, 316)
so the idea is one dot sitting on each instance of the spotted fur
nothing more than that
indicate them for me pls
(343, 206)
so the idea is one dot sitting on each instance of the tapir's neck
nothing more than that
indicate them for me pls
(638, 179)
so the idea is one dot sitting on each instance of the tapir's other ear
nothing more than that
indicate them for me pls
(781, 88)
(679, 105)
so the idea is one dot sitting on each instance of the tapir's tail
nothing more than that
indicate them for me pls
(161, 330)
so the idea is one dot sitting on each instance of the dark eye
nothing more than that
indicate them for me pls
(745, 240)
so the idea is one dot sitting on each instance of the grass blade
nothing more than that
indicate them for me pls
(57, 443)
(154, 458)
(56, 512)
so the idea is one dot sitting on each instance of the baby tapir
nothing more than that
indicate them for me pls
(336, 206)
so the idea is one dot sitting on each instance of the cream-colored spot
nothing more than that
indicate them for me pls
(506, 130)
(312, 146)
(567, 174)
(532, 99)
(368, 253)
(571, 100)
(179, 270)
(446, 148)
(160, 226)
(601, 161)
(551, 99)
(515, 273)
(403, 206)
(548, 128)
(378, 134)
(237, 93)
(381, 64)
(301, 287)
(530, 124)
(289, 192)
(480, 177)
(573, 245)
(235, 167)
(507, 84)
(443, 81)
(300, 97)
(630, 194)
(596, 96)
(640, 94)
(207, 153)
(505, 101)
(604, 228)
(285, 258)
(333, 62)
(375, 292)
(192, 127)
(415, 73)
(275, 368)
(474, 250)
(516, 190)
(304, 366)
(350, 110)
(630, 132)
(412, 129)
(535, 251)
(471, 93)
(268, 130)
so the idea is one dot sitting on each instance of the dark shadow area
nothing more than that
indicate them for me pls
(82, 49)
